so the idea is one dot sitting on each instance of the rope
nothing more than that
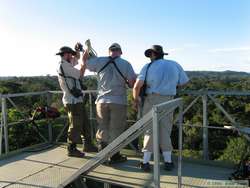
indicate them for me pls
(90, 50)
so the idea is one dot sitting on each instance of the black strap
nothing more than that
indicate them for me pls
(118, 70)
(112, 60)
(143, 89)
(63, 75)
(145, 80)
(109, 61)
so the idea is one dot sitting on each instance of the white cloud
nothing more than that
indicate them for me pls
(238, 49)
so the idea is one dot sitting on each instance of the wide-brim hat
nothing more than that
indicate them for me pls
(155, 48)
(66, 49)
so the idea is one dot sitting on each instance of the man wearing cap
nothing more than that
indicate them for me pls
(162, 77)
(69, 81)
(114, 75)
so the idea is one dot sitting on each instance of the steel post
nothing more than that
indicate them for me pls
(205, 129)
(5, 124)
(50, 133)
(156, 148)
(1, 131)
(180, 121)
(92, 132)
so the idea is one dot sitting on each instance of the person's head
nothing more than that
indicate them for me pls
(115, 50)
(66, 53)
(155, 52)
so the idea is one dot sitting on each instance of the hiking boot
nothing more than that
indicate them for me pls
(118, 158)
(74, 152)
(90, 148)
(145, 167)
(168, 166)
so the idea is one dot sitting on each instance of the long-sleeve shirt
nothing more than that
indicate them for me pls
(71, 71)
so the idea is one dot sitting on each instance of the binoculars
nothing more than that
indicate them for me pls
(91, 51)
(79, 47)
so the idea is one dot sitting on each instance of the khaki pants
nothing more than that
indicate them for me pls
(78, 124)
(165, 125)
(111, 121)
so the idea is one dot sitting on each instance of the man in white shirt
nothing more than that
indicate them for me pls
(69, 80)
(162, 78)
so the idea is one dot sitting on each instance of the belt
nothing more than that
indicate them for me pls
(158, 94)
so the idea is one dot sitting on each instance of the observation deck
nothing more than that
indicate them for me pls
(51, 167)
(47, 164)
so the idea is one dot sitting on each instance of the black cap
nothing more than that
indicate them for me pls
(155, 48)
(66, 49)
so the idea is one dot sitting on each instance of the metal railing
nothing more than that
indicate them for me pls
(204, 95)
(148, 121)
(4, 134)
(152, 116)
(4, 117)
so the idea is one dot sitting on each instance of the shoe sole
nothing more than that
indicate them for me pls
(169, 168)
(144, 170)
(78, 156)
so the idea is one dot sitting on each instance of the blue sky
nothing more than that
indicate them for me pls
(199, 34)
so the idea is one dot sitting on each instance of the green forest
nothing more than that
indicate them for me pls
(224, 145)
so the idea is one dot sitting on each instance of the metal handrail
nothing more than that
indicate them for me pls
(5, 124)
(204, 94)
(133, 132)
(172, 105)
(4, 120)
(213, 92)
(184, 92)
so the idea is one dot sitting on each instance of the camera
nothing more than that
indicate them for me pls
(83, 87)
(76, 92)
(79, 47)
(143, 89)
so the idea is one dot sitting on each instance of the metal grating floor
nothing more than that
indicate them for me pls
(50, 167)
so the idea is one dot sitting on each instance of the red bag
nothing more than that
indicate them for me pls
(45, 112)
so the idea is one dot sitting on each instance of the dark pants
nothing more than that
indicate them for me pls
(79, 125)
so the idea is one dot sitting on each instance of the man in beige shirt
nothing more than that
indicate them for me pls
(114, 75)
(69, 80)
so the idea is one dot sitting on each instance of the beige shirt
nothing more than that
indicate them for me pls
(71, 71)
(111, 86)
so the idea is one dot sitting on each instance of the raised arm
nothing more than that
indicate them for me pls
(85, 57)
